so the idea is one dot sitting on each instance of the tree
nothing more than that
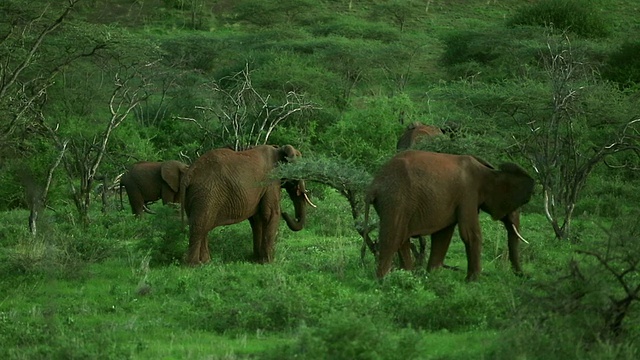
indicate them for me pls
(559, 145)
(243, 116)
(87, 148)
(28, 68)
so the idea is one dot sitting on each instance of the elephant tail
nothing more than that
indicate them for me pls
(182, 191)
(367, 242)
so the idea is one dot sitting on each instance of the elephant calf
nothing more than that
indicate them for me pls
(150, 181)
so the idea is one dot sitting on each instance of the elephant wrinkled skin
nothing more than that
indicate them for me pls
(225, 187)
(149, 181)
(424, 193)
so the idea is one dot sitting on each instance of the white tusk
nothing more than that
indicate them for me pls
(309, 201)
(518, 234)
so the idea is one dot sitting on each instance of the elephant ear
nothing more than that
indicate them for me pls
(170, 172)
(288, 153)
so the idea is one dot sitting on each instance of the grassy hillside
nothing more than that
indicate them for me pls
(94, 282)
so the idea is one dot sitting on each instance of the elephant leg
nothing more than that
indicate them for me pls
(256, 228)
(389, 243)
(197, 242)
(167, 195)
(440, 242)
(205, 255)
(269, 238)
(136, 201)
(472, 237)
(405, 255)
(513, 240)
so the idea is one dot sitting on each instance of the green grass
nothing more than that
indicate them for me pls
(120, 307)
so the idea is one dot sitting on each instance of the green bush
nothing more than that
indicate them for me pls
(576, 16)
(164, 239)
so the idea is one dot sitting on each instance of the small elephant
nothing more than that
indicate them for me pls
(149, 181)
(425, 193)
(415, 132)
(225, 187)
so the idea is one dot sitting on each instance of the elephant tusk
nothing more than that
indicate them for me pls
(147, 210)
(306, 198)
(518, 234)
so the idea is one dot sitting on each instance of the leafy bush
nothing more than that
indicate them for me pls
(577, 16)
(165, 238)
(367, 134)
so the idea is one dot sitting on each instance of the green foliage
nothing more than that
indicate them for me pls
(367, 134)
(623, 65)
(588, 308)
(357, 28)
(576, 16)
(165, 238)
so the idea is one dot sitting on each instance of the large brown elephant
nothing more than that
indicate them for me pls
(225, 187)
(150, 181)
(424, 193)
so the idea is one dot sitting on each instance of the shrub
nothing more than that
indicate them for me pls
(165, 237)
(576, 16)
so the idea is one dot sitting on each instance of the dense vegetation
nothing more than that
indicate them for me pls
(89, 87)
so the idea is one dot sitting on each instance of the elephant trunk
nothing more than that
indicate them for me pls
(298, 194)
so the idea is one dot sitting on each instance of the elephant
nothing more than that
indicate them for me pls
(414, 132)
(420, 193)
(224, 187)
(147, 181)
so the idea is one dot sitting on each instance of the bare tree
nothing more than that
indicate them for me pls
(247, 117)
(85, 153)
(557, 147)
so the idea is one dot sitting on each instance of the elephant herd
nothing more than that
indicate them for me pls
(415, 193)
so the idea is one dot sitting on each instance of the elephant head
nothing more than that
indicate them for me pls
(150, 181)
(424, 193)
(297, 191)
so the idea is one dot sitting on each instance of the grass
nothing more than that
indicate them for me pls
(120, 307)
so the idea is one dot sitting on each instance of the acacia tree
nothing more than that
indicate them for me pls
(559, 146)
